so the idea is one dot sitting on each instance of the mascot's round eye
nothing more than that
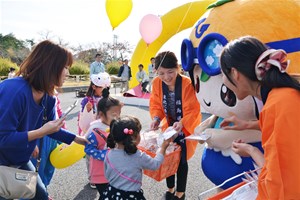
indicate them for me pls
(227, 96)
(209, 51)
(187, 55)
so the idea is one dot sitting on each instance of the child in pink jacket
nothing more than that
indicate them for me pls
(108, 108)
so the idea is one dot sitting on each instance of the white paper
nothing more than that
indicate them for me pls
(170, 132)
(199, 137)
(246, 192)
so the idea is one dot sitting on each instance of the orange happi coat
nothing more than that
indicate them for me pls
(280, 125)
(191, 116)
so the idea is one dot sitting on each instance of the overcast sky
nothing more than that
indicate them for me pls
(81, 21)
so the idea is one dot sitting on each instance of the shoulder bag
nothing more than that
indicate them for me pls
(18, 183)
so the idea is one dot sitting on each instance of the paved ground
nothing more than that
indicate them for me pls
(71, 183)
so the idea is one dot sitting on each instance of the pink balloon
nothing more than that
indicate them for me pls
(150, 28)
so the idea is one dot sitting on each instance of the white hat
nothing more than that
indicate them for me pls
(101, 80)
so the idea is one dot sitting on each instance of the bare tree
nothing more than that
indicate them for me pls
(62, 42)
(45, 35)
(117, 51)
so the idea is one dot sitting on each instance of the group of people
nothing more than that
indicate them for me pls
(249, 67)
(125, 74)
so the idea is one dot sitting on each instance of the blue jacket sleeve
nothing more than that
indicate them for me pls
(129, 72)
(92, 150)
(120, 71)
(91, 69)
(64, 136)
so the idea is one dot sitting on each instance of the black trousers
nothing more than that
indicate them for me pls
(144, 86)
(181, 174)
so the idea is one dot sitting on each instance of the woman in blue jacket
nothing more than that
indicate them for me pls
(23, 101)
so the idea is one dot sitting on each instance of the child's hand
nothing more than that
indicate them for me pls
(81, 140)
(35, 152)
(89, 106)
(166, 143)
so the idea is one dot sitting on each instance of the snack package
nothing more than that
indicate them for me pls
(149, 145)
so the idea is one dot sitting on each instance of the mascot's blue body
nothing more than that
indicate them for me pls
(218, 167)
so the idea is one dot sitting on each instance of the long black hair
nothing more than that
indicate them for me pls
(90, 91)
(242, 55)
(118, 135)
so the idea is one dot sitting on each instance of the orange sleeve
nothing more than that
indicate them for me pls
(191, 107)
(155, 103)
(279, 120)
(191, 114)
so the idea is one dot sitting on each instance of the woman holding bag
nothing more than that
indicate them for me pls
(23, 102)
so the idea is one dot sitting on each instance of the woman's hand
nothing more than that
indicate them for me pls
(47, 129)
(177, 126)
(246, 150)
(52, 126)
(241, 148)
(81, 140)
(154, 125)
(237, 124)
(35, 152)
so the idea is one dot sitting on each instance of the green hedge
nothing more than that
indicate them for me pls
(113, 67)
(5, 64)
(79, 67)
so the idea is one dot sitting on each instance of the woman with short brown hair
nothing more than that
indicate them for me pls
(26, 100)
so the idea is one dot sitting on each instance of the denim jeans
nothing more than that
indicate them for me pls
(41, 191)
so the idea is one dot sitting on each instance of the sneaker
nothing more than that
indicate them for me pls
(181, 198)
(92, 185)
(169, 195)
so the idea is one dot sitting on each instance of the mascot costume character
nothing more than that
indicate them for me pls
(273, 22)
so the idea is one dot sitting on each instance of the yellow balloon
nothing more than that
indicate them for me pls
(117, 11)
(66, 155)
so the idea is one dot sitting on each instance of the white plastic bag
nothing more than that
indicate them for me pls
(85, 119)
